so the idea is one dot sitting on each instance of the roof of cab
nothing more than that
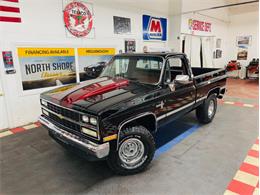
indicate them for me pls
(161, 54)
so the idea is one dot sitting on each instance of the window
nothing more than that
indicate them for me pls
(152, 64)
(174, 67)
(144, 69)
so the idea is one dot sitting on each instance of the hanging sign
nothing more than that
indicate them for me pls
(46, 67)
(78, 18)
(196, 25)
(154, 28)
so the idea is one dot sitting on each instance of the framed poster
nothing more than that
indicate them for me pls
(130, 46)
(244, 40)
(8, 62)
(218, 43)
(46, 67)
(122, 25)
(154, 28)
(92, 61)
(242, 53)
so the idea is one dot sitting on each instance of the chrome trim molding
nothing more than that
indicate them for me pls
(132, 119)
(99, 150)
(175, 111)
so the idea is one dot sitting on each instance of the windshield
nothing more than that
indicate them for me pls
(144, 69)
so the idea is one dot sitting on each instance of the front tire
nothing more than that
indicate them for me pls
(206, 111)
(135, 151)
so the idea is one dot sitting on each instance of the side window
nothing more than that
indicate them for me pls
(176, 66)
(175, 62)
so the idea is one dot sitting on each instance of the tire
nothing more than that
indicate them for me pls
(132, 137)
(205, 113)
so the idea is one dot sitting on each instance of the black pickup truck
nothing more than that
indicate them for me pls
(116, 115)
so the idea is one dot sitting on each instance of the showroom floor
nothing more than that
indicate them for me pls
(190, 159)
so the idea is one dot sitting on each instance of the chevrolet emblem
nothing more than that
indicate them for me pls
(60, 116)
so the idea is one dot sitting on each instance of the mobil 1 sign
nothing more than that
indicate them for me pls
(154, 28)
(46, 67)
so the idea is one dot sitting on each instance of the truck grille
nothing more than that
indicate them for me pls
(64, 122)
(64, 112)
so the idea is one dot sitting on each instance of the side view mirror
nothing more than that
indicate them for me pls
(182, 79)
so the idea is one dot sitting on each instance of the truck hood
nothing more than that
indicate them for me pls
(99, 95)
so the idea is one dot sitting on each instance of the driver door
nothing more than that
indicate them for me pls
(179, 97)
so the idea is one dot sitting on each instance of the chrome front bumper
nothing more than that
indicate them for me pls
(98, 150)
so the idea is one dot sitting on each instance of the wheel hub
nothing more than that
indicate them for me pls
(131, 153)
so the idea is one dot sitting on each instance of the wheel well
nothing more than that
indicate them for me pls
(214, 91)
(148, 121)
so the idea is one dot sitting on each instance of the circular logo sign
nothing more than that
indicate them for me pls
(78, 19)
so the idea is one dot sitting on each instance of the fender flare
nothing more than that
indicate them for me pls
(132, 119)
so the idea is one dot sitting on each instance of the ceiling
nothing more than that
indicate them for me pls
(173, 7)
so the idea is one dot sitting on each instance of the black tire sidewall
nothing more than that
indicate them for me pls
(206, 107)
(146, 138)
(202, 110)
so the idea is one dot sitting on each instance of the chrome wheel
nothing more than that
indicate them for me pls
(131, 153)
(211, 108)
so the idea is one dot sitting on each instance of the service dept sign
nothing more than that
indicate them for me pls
(154, 28)
(78, 19)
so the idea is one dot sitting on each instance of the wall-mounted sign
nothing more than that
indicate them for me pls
(8, 62)
(154, 28)
(244, 41)
(196, 25)
(92, 61)
(130, 45)
(78, 19)
(122, 25)
(242, 53)
(46, 67)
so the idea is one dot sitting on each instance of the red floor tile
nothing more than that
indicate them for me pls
(253, 153)
(240, 188)
(251, 169)
(17, 129)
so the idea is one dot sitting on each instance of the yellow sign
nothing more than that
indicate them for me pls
(44, 52)
(96, 51)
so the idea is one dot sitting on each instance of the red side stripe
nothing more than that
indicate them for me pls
(253, 153)
(240, 188)
(14, 1)
(17, 129)
(251, 169)
(9, 19)
(9, 9)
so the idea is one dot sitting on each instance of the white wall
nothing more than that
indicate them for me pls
(219, 29)
(240, 25)
(42, 25)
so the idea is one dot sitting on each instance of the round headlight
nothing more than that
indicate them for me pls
(85, 119)
(93, 121)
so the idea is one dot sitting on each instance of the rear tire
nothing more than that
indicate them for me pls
(206, 111)
(135, 151)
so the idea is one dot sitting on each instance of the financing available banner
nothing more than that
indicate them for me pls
(46, 67)
(92, 61)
